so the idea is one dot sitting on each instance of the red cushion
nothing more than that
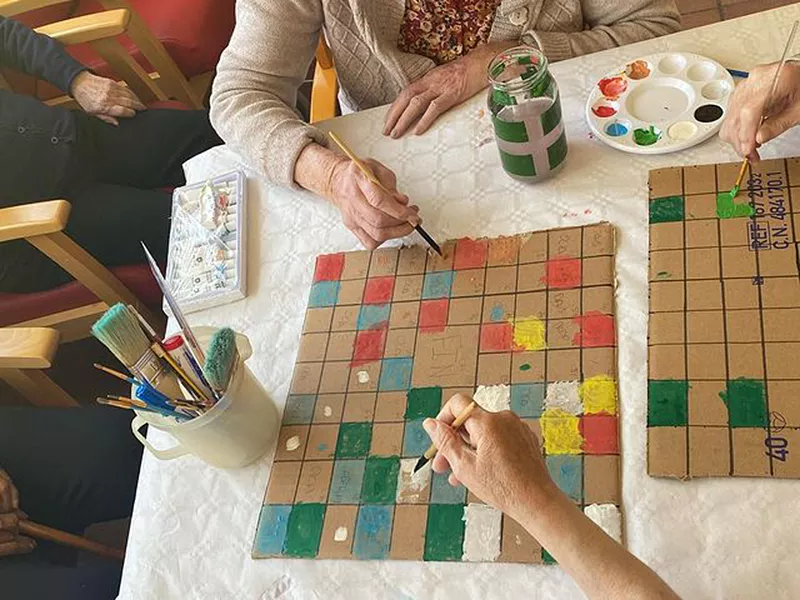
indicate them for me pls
(16, 308)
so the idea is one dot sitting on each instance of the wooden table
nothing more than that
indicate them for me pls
(193, 525)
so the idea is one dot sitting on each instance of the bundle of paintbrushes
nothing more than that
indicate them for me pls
(166, 374)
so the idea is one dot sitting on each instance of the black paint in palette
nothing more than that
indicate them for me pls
(708, 113)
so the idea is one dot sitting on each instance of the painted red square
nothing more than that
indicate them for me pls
(379, 290)
(470, 254)
(497, 337)
(329, 267)
(563, 273)
(369, 346)
(433, 315)
(597, 330)
(599, 434)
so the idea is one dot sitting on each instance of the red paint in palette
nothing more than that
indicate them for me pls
(369, 346)
(599, 434)
(562, 273)
(329, 267)
(378, 290)
(497, 337)
(597, 330)
(433, 315)
(612, 87)
(604, 111)
(470, 254)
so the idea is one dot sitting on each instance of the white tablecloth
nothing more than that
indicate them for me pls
(193, 525)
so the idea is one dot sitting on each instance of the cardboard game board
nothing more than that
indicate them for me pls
(724, 366)
(388, 337)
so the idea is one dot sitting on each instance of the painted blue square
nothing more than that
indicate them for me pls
(299, 410)
(346, 481)
(395, 374)
(567, 471)
(444, 493)
(437, 285)
(372, 316)
(415, 439)
(527, 398)
(323, 293)
(272, 529)
(373, 532)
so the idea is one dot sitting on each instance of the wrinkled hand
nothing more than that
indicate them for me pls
(436, 92)
(10, 540)
(372, 214)
(494, 454)
(741, 128)
(104, 98)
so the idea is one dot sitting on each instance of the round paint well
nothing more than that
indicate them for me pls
(612, 87)
(682, 130)
(604, 109)
(617, 128)
(638, 69)
(715, 90)
(702, 71)
(708, 113)
(659, 100)
(672, 64)
(647, 137)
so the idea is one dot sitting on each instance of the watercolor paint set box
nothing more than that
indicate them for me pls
(207, 265)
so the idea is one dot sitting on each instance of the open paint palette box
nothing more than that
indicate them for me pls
(660, 103)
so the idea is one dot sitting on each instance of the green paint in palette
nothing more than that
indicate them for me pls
(444, 535)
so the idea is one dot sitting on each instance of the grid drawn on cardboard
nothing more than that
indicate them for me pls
(387, 313)
(724, 326)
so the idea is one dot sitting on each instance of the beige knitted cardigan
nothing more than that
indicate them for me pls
(274, 41)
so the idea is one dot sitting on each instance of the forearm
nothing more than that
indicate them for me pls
(600, 566)
(314, 169)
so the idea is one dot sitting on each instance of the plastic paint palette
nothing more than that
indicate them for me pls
(660, 103)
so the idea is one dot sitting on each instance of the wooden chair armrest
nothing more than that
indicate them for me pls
(28, 348)
(29, 220)
(88, 28)
(9, 8)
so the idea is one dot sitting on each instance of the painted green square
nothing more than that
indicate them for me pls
(354, 440)
(547, 558)
(518, 165)
(746, 402)
(666, 210)
(510, 131)
(423, 402)
(444, 535)
(667, 404)
(552, 117)
(557, 152)
(304, 530)
(380, 480)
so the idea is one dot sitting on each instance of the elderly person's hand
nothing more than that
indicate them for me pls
(10, 540)
(495, 455)
(439, 90)
(742, 127)
(104, 98)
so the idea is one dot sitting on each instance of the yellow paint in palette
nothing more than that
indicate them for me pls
(599, 395)
(561, 432)
(529, 333)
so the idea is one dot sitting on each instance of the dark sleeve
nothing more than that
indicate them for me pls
(39, 55)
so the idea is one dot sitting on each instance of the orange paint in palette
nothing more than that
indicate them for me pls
(660, 103)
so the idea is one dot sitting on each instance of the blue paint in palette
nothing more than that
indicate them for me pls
(567, 472)
(323, 293)
(415, 439)
(373, 532)
(272, 529)
(617, 129)
(526, 399)
(437, 285)
(395, 374)
(346, 481)
(299, 410)
(372, 316)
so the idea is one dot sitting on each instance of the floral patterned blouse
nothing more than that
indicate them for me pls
(444, 30)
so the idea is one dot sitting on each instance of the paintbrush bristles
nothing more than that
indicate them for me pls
(119, 331)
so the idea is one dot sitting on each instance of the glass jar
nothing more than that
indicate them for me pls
(526, 114)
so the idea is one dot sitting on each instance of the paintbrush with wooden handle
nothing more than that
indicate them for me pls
(431, 452)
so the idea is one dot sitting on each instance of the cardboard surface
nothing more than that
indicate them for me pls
(724, 322)
(392, 335)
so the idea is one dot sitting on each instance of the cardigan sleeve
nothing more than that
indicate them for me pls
(609, 23)
(255, 89)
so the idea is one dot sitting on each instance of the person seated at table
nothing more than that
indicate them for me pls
(66, 468)
(497, 457)
(423, 56)
(109, 160)
(742, 128)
